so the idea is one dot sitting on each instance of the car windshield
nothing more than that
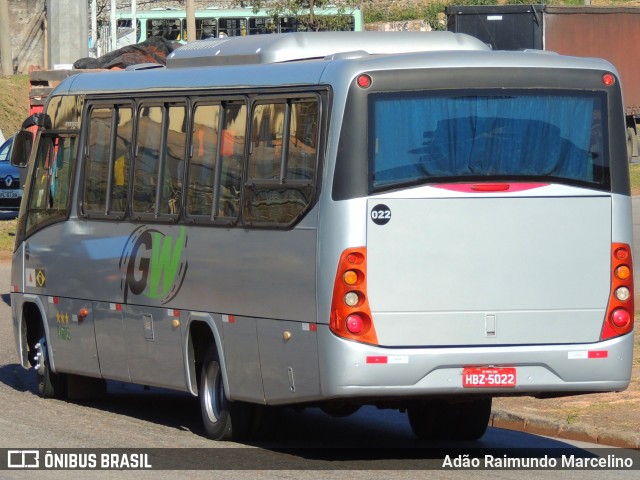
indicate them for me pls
(5, 150)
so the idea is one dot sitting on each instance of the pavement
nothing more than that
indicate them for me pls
(561, 429)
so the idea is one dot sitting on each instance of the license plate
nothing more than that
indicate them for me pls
(10, 193)
(479, 377)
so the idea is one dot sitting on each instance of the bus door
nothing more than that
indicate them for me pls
(50, 259)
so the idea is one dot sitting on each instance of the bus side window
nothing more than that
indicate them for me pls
(202, 164)
(145, 169)
(231, 158)
(173, 164)
(215, 168)
(49, 196)
(303, 141)
(97, 163)
(282, 163)
(121, 161)
(107, 163)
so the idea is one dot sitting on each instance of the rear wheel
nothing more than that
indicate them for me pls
(222, 418)
(446, 420)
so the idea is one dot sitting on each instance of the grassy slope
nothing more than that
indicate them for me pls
(14, 103)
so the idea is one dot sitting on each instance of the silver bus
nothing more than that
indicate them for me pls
(408, 220)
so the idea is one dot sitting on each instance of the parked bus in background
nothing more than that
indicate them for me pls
(401, 219)
(212, 23)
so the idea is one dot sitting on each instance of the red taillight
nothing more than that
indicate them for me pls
(490, 187)
(355, 323)
(619, 318)
(350, 312)
(608, 79)
(364, 81)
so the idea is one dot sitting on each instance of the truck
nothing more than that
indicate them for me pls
(611, 33)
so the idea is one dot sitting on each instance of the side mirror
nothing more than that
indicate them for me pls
(21, 149)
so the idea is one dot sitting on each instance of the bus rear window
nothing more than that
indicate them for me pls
(419, 138)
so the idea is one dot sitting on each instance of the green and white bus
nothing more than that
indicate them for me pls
(213, 23)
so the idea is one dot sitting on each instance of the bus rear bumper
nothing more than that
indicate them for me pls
(356, 370)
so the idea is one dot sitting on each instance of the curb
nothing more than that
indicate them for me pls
(563, 430)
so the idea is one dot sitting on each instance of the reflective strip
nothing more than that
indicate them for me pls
(377, 359)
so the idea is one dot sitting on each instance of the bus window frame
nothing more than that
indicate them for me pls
(86, 128)
(24, 231)
(322, 93)
(221, 101)
(603, 184)
(164, 103)
(288, 98)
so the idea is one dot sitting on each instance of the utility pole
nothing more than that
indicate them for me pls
(112, 22)
(191, 21)
(6, 56)
(68, 31)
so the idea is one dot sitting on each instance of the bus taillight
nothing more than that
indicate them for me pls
(350, 312)
(619, 318)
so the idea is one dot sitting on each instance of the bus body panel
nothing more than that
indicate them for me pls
(142, 325)
(358, 370)
(497, 274)
(289, 358)
(242, 358)
(110, 341)
(151, 340)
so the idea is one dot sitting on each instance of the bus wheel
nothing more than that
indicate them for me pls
(222, 418)
(339, 410)
(443, 420)
(474, 419)
(50, 384)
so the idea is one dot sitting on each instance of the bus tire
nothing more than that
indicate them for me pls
(222, 418)
(474, 419)
(50, 384)
(430, 420)
(444, 420)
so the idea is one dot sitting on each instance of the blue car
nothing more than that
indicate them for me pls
(10, 188)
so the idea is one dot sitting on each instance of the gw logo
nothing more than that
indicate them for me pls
(152, 264)
(23, 459)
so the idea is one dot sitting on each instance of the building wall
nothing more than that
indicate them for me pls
(28, 22)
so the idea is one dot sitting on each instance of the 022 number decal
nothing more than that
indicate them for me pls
(380, 214)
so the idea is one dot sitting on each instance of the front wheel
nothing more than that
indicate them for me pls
(222, 418)
(446, 420)
(50, 384)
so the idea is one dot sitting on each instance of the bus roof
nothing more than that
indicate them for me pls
(306, 45)
(267, 60)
